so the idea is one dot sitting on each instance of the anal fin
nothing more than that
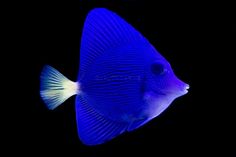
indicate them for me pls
(94, 128)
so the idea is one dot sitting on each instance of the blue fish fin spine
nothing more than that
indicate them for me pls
(55, 88)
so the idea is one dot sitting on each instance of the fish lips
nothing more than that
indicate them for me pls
(177, 92)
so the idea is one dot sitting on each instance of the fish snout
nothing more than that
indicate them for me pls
(185, 88)
(182, 87)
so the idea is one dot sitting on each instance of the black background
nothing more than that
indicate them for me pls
(195, 38)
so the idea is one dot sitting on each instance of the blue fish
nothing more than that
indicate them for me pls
(123, 81)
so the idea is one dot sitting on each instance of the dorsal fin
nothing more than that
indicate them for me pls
(104, 30)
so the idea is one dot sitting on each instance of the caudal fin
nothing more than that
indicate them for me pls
(55, 88)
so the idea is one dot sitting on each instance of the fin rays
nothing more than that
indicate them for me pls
(55, 88)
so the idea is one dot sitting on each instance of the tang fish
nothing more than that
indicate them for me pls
(123, 81)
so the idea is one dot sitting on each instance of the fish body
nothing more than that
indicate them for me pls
(123, 81)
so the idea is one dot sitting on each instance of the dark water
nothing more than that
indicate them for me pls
(192, 38)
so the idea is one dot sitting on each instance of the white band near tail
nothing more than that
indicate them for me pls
(55, 88)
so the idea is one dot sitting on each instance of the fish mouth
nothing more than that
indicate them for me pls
(172, 92)
(186, 89)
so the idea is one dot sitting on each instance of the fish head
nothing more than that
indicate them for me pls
(162, 85)
(164, 81)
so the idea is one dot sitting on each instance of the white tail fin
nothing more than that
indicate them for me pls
(56, 88)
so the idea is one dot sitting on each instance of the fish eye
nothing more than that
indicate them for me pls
(157, 68)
